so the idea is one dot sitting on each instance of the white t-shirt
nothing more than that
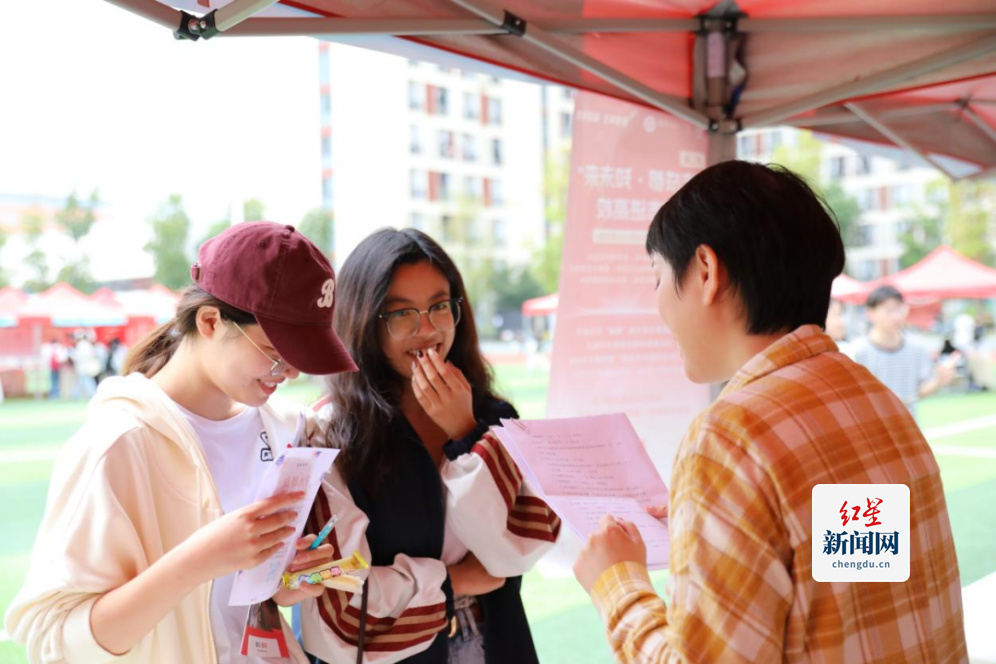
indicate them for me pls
(238, 453)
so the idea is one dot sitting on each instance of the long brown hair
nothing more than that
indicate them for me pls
(365, 403)
(152, 353)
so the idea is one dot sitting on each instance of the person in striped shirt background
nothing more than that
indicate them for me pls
(744, 256)
(902, 363)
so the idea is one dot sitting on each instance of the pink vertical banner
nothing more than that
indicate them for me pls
(611, 351)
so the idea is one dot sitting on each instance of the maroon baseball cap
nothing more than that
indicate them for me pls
(277, 274)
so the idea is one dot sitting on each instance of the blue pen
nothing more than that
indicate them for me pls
(324, 532)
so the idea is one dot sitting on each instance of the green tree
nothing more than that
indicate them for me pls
(170, 227)
(924, 234)
(845, 210)
(512, 286)
(33, 226)
(77, 218)
(76, 273)
(318, 225)
(546, 259)
(968, 220)
(253, 210)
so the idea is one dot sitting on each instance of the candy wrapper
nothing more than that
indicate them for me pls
(338, 574)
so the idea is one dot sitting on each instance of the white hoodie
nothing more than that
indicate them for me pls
(129, 486)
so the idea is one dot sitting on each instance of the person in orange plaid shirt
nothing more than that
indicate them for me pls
(744, 256)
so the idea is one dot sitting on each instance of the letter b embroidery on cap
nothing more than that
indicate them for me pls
(328, 294)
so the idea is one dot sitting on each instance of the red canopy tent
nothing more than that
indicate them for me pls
(11, 302)
(917, 74)
(64, 306)
(541, 306)
(945, 274)
(849, 290)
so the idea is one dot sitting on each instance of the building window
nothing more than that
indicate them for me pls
(865, 198)
(499, 233)
(494, 111)
(497, 193)
(469, 147)
(473, 187)
(438, 100)
(744, 147)
(565, 125)
(324, 73)
(838, 167)
(446, 221)
(493, 194)
(417, 221)
(496, 151)
(416, 140)
(326, 101)
(416, 96)
(471, 106)
(439, 186)
(326, 152)
(475, 231)
(444, 143)
(327, 193)
(419, 183)
(863, 165)
(902, 195)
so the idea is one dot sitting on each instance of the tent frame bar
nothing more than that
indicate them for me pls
(536, 36)
(875, 83)
(372, 27)
(876, 123)
(229, 16)
(978, 122)
(846, 117)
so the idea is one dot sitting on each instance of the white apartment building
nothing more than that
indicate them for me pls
(456, 154)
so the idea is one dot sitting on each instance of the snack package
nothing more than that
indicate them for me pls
(338, 574)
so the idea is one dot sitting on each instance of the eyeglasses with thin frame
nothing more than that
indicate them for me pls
(443, 316)
(278, 367)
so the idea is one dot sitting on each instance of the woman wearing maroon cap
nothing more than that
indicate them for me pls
(423, 491)
(151, 510)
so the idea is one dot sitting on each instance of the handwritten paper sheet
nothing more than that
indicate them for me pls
(296, 469)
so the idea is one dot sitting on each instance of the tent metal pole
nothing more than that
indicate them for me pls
(401, 27)
(874, 83)
(845, 117)
(984, 174)
(934, 24)
(929, 24)
(390, 27)
(237, 11)
(536, 36)
(894, 136)
(979, 122)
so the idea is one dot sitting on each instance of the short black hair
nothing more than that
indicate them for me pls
(883, 294)
(775, 235)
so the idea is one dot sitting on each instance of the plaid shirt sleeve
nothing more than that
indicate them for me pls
(730, 583)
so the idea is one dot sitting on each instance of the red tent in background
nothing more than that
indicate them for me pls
(541, 306)
(944, 275)
(11, 302)
(849, 290)
(64, 306)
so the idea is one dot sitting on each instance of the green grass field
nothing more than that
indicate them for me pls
(565, 626)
